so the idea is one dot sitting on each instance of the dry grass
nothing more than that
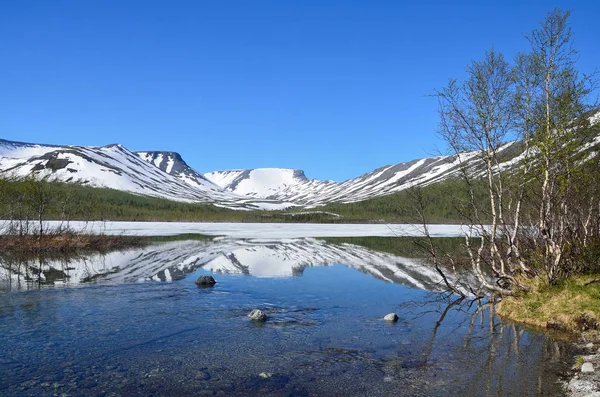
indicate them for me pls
(573, 306)
(67, 243)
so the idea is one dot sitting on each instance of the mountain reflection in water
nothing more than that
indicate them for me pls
(174, 260)
(325, 335)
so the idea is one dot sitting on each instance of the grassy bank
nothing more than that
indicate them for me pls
(572, 306)
(70, 242)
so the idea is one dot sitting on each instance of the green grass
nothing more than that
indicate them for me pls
(572, 306)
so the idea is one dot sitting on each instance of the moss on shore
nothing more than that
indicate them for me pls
(573, 306)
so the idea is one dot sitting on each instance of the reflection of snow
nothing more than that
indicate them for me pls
(259, 258)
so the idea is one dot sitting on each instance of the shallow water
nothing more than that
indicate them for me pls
(138, 325)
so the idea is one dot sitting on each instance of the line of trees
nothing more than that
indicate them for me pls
(25, 204)
(542, 216)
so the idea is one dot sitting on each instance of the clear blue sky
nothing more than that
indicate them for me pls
(336, 88)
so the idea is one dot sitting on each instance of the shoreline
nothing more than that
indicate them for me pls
(569, 310)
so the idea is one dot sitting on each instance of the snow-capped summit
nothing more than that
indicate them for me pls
(173, 164)
(259, 182)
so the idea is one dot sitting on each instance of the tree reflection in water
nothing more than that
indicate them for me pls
(500, 356)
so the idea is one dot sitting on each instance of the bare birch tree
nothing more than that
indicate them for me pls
(537, 107)
(476, 121)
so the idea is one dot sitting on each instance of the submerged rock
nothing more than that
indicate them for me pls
(257, 315)
(391, 318)
(205, 281)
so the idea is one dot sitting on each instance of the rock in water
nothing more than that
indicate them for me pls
(205, 281)
(587, 367)
(392, 317)
(257, 315)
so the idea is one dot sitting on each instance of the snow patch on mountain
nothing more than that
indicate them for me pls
(115, 167)
(173, 164)
(293, 186)
(165, 174)
(259, 182)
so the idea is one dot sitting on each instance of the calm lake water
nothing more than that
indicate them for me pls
(134, 323)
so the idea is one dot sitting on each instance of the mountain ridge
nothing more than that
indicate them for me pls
(167, 175)
(114, 166)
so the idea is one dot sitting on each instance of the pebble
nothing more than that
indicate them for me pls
(587, 367)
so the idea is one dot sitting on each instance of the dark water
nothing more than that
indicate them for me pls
(325, 335)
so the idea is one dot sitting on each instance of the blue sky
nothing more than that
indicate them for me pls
(336, 88)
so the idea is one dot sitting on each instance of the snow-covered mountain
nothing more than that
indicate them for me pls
(257, 258)
(293, 186)
(116, 167)
(166, 174)
(173, 164)
(270, 182)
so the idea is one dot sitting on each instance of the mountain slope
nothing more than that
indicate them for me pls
(166, 174)
(115, 167)
(267, 182)
(293, 186)
(173, 164)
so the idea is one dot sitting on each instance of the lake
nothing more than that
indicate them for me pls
(134, 323)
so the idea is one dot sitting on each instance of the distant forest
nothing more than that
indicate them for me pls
(31, 199)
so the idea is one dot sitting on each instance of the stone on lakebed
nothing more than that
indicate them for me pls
(205, 281)
(257, 315)
(392, 317)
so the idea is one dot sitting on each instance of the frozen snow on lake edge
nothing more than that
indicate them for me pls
(260, 230)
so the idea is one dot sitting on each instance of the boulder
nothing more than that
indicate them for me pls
(257, 315)
(205, 281)
(391, 318)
